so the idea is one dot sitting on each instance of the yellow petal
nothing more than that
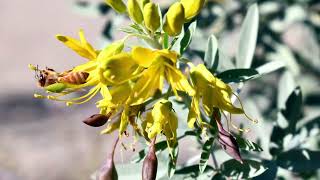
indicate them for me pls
(83, 48)
(146, 86)
(87, 45)
(194, 112)
(178, 81)
(120, 93)
(105, 92)
(110, 50)
(143, 56)
(119, 68)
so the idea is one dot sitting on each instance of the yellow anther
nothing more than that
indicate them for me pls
(38, 96)
(32, 67)
(51, 97)
(69, 103)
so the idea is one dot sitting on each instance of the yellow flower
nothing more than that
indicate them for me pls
(151, 16)
(162, 120)
(103, 68)
(192, 8)
(161, 65)
(134, 11)
(174, 19)
(213, 92)
(117, 5)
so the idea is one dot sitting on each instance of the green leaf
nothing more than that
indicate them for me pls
(248, 38)
(293, 109)
(299, 160)
(248, 169)
(160, 146)
(184, 39)
(270, 173)
(247, 145)
(206, 150)
(192, 172)
(238, 75)
(210, 59)
(173, 161)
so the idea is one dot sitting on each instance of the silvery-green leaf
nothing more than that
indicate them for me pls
(210, 59)
(270, 67)
(247, 170)
(184, 39)
(248, 38)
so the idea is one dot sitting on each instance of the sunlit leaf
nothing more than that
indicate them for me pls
(299, 160)
(248, 38)
(238, 75)
(184, 39)
(270, 67)
(206, 151)
(248, 169)
(247, 145)
(210, 59)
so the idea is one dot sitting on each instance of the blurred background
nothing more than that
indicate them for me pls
(45, 140)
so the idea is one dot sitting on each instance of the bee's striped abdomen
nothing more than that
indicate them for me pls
(74, 77)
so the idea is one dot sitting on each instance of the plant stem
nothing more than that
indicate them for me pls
(215, 162)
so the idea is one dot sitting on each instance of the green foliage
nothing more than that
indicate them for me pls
(206, 150)
(249, 169)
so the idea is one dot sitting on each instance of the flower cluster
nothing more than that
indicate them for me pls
(136, 82)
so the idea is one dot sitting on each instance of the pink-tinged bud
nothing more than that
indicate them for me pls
(150, 163)
(228, 143)
(97, 120)
(108, 170)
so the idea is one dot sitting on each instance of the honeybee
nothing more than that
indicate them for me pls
(73, 77)
(46, 77)
(49, 76)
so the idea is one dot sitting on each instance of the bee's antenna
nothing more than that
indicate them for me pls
(36, 72)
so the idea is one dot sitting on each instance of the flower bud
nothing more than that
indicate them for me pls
(192, 8)
(144, 2)
(151, 16)
(150, 164)
(108, 170)
(134, 11)
(228, 143)
(174, 19)
(117, 5)
(56, 88)
(96, 120)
